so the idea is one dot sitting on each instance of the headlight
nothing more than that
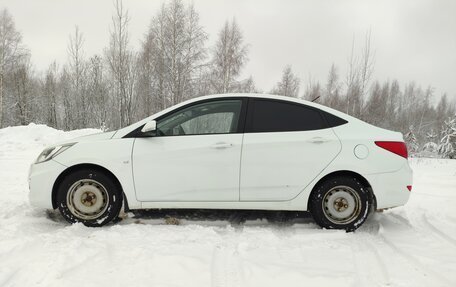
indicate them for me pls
(51, 152)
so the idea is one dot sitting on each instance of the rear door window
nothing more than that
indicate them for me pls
(280, 116)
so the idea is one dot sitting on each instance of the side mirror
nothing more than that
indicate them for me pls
(149, 127)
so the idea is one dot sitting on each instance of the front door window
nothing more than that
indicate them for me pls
(217, 117)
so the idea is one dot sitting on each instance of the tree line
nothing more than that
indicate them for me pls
(173, 63)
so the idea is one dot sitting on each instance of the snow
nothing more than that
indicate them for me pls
(413, 245)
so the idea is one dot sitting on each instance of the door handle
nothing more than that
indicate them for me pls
(318, 140)
(221, 145)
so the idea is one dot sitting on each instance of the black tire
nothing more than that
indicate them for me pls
(89, 196)
(340, 203)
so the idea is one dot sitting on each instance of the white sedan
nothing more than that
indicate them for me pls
(233, 151)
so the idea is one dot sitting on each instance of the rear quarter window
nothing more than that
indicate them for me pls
(332, 120)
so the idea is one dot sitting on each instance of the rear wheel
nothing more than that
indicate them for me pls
(90, 197)
(340, 203)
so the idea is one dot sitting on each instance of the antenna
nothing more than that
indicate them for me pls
(316, 99)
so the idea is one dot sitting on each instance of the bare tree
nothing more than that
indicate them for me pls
(22, 78)
(392, 105)
(313, 91)
(121, 63)
(247, 86)
(360, 70)
(148, 92)
(332, 89)
(228, 58)
(366, 67)
(50, 91)
(77, 70)
(10, 50)
(65, 91)
(376, 105)
(174, 49)
(97, 93)
(442, 112)
(288, 85)
(352, 82)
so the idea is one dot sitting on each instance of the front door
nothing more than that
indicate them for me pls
(194, 156)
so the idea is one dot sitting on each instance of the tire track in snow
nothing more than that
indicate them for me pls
(401, 218)
(359, 262)
(424, 222)
(429, 226)
(384, 274)
(226, 267)
(8, 278)
(412, 260)
(374, 231)
(437, 231)
(369, 265)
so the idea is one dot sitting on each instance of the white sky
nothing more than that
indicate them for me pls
(413, 40)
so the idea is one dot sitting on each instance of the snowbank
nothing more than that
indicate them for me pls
(33, 138)
(413, 245)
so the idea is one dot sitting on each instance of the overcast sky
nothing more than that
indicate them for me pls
(413, 40)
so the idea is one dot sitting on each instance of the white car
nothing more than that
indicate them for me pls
(233, 151)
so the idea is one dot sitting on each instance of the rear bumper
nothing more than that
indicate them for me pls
(41, 180)
(390, 188)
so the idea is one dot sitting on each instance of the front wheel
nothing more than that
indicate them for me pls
(340, 203)
(90, 197)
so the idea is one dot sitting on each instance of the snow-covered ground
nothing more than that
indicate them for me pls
(413, 245)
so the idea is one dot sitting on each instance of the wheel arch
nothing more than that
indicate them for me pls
(76, 167)
(347, 173)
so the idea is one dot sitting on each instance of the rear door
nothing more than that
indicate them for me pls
(286, 145)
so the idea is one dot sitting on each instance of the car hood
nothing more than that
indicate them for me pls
(89, 138)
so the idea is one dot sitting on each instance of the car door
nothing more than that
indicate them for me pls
(194, 154)
(286, 145)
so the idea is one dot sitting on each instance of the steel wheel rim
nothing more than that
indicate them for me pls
(87, 199)
(341, 205)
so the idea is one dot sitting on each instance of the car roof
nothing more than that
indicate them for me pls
(254, 95)
(274, 97)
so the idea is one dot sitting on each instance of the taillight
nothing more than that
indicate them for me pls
(398, 148)
(409, 187)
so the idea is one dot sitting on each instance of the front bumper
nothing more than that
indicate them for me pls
(390, 188)
(42, 177)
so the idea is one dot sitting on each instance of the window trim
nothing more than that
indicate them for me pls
(250, 112)
(239, 130)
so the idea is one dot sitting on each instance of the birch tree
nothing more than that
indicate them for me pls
(289, 84)
(121, 63)
(174, 47)
(65, 92)
(11, 49)
(50, 91)
(366, 66)
(377, 103)
(97, 93)
(352, 82)
(228, 58)
(360, 70)
(151, 75)
(313, 91)
(332, 89)
(77, 71)
(22, 90)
